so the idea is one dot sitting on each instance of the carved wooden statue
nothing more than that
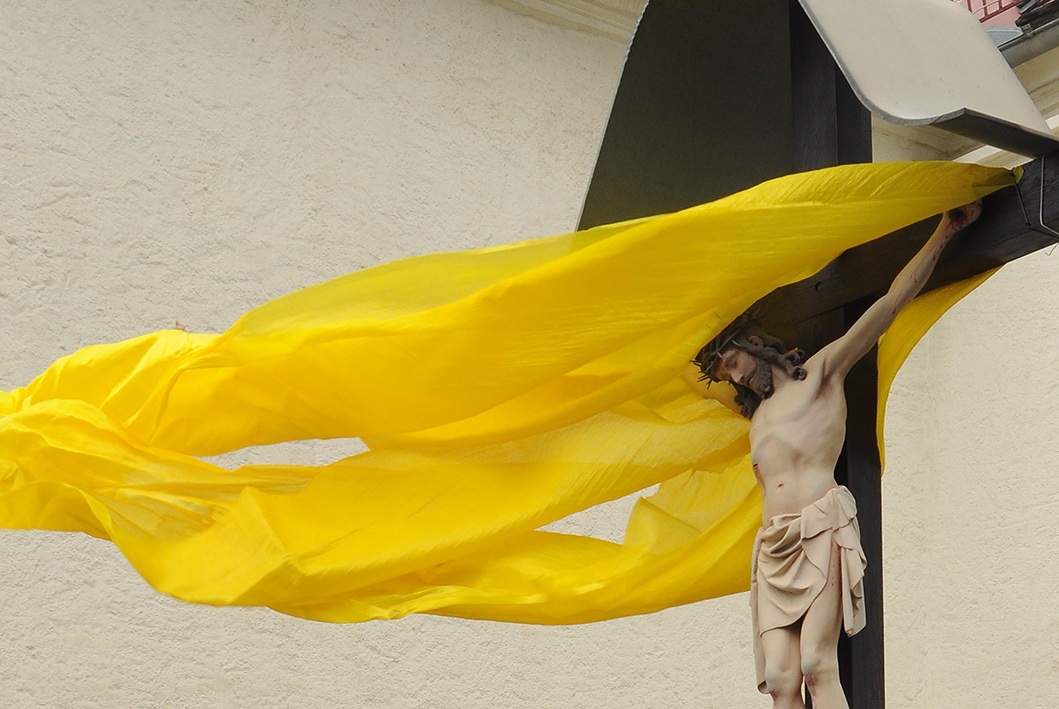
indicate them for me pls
(808, 563)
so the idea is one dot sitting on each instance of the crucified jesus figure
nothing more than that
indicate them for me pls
(808, 566)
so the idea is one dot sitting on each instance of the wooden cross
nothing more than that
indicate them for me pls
(684, 130)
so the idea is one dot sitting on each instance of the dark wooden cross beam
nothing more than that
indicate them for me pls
(718, 96)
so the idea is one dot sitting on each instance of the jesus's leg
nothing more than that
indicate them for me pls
(783, 673)
(819, 640)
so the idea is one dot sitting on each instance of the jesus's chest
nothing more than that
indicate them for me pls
(802, 414)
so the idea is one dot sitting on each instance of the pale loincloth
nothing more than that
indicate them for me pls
(789, 567)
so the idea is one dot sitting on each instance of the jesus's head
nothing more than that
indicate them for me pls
(745, 356)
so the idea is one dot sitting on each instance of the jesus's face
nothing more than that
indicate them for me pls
(741, 367)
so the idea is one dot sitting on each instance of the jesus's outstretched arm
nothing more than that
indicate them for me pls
(839, 357)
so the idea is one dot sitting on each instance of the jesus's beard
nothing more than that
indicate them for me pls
(760, 382)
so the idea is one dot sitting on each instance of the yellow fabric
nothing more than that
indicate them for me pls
(498, 389)
(911, 324)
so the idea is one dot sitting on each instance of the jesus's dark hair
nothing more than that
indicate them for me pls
(771, 350)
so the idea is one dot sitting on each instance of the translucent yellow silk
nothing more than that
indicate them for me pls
(499, 390)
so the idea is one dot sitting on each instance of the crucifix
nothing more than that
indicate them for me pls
(718, 96)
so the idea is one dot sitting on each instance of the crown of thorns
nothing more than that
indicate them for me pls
(709, 355)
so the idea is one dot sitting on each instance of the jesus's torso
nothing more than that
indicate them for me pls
(796, 436)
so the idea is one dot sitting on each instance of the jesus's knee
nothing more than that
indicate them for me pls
(819, 668)
(783, 681)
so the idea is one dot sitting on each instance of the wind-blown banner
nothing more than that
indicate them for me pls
(498, 390)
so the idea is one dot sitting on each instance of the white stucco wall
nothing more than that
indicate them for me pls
(970, 499)
(165, 161)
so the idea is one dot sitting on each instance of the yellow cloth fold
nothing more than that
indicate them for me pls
(499, 390)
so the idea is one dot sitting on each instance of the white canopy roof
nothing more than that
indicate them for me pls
(929, 62)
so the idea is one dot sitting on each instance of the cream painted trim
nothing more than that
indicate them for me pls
(615, 19)
(1040, 76)
(895, 142)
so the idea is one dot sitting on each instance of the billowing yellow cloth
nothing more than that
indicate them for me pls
(498, 389)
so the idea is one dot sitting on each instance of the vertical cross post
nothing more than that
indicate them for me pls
(831, 127)
(710, 103)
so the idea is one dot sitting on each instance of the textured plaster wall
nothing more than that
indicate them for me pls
(166, 161)
(970, 502)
